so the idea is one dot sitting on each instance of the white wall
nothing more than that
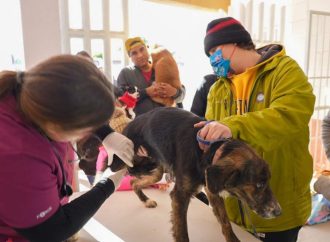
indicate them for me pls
(11, 41)
(41, 30)
(42, 36)
(182, 31)
(297, 44)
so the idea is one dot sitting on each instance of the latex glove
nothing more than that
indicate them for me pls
(117, 177)
(98, 177)
(116, 143)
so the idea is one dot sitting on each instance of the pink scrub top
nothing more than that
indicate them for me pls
(30, 173)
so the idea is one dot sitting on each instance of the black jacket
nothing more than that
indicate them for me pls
(198, 106)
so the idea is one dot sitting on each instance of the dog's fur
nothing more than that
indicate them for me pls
(167, 71)
(169, 136)
(88, 150)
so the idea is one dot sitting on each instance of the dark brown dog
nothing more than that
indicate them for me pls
(169, 136)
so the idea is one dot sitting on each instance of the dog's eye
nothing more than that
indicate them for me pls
(260, 185)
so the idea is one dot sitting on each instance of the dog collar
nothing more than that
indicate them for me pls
(207, 142)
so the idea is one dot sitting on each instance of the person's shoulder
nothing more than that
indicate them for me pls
(22, 139)
(209, 79)
(127, 71)
(129, 68)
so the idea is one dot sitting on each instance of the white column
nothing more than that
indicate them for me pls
(41, 30)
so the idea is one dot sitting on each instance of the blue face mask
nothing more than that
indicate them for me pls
(219, 64)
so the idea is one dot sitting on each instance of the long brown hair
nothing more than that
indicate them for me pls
(66, 90)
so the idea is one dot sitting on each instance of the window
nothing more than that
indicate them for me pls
(98, 27)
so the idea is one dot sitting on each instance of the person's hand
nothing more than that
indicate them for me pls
(165, 90)
(116, 143)
(117, 177)
(211, 131)
(152, 91)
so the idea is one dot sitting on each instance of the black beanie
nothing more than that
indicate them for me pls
(225, 31)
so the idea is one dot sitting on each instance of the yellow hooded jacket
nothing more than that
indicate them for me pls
(280, 106)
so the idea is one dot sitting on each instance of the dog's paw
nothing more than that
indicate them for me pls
(150, 204)
(163, 187)
(233, 238)
(73, 238)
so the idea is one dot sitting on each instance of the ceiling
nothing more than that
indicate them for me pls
(214, 5)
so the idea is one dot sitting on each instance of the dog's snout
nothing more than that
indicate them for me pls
(273, 210)
(277, 210)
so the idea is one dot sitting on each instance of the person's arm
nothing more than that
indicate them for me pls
(326, 135)
(70, 218)
(165, 90)
(122, 82)
(180, 94)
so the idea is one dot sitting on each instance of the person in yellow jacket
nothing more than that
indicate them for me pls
(262, 97)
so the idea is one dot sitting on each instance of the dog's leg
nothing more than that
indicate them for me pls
(139, 183)
(180, 195)
(220, 213)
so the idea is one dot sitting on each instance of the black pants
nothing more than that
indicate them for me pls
(290, 235)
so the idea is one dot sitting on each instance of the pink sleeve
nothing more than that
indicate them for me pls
(102, 161)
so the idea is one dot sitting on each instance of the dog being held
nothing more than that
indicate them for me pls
(168, 136)
(128, 100)
(166, 71)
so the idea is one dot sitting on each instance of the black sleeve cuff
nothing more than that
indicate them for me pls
(103, 131)
(106, 186)
(177, 94)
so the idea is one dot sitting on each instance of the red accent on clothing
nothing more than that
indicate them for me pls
(128, 99)
(147, 75)
(222, 25)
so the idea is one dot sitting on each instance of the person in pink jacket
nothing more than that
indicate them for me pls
(42, 110)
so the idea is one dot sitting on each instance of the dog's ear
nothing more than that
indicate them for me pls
(209, 154)
(220, 178)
